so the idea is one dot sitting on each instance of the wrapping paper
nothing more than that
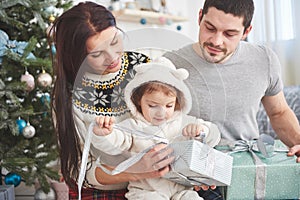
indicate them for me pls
(197, 163)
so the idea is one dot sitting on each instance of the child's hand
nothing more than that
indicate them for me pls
(104, 125)
(192, 130)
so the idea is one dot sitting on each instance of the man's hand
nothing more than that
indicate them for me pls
(295, 151)
(204, 187)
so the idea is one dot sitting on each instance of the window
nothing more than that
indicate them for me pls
(273, 20)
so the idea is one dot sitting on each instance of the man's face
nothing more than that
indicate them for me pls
(220, 34)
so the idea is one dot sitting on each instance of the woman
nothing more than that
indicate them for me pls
(91, 70)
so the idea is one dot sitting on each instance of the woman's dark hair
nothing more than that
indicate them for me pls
(239, 8)
(69, 33)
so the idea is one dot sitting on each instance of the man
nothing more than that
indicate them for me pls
(229, 77)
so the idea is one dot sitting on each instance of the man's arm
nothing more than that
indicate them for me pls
(283, 119)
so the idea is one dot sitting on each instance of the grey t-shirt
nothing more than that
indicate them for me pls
(229, 94)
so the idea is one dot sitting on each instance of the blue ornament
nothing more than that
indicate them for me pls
(110, 8)
(13, 46)
(12, 179)
(21, 124)
(53, 49)
(178, 28)
(143, 21)
(45, 98)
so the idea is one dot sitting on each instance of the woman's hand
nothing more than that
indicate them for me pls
(155, 163)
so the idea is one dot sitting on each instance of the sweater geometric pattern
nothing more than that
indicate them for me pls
(98, 97)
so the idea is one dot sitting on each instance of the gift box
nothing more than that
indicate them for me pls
(275, 177)
(197, 163)
(7, 192)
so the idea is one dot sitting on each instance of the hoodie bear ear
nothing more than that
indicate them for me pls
(140, 68)
(181, 74)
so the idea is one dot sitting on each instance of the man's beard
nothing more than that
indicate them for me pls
(210, 57)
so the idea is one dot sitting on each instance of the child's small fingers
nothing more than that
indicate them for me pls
(96, 119)
(111, 121)
(101, 121)
(106, 121)
(189, 129)
(184, 133)
(198, 129)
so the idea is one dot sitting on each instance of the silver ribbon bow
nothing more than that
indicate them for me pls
(265, 145)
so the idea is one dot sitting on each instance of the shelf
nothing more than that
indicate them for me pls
(131, 15)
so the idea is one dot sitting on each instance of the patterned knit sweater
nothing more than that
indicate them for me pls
(104, 94)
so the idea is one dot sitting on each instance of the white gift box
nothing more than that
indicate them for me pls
(7, 192)
(197, 163)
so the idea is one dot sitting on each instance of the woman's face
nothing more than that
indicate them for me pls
(105, 51)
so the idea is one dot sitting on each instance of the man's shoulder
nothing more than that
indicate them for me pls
(255, 47)
(183, 49)
(179, 54)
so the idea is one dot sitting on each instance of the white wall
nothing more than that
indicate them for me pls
(186, 8)
(193, 8)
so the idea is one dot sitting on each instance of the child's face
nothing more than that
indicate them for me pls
(157, 107)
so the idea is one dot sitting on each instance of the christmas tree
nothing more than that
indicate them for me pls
(28, 142)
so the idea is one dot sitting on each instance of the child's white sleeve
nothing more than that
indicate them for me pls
(114, 144)
(212, 133)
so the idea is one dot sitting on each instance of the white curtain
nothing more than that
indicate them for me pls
(277, 24)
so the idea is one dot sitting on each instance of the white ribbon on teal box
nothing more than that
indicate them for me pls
(255, 176)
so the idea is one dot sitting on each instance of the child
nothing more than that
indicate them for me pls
(159, 102)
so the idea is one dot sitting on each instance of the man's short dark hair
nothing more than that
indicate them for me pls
(239, 8)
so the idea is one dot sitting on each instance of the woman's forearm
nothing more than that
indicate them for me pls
(105, 179)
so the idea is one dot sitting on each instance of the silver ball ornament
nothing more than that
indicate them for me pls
(44, 79)
(41, 195)
(29, 79)
(28, 131)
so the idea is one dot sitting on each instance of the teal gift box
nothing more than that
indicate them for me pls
(276, 177)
